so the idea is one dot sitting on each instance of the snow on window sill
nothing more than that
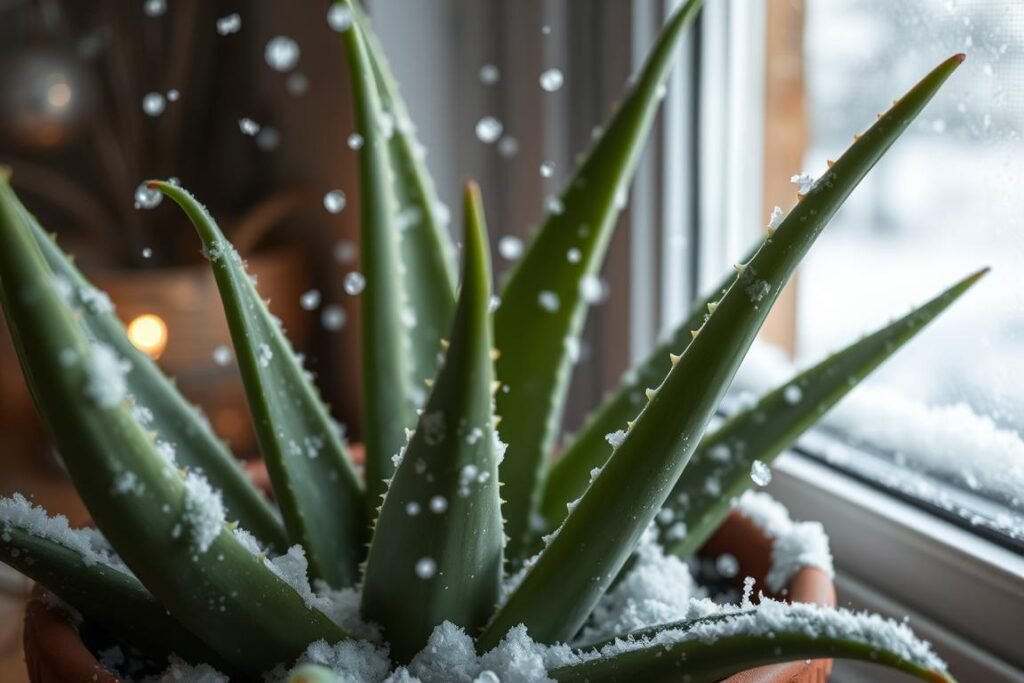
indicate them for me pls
(964, 588)
(955, 463)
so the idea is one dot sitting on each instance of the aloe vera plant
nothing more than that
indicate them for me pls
(418, 552)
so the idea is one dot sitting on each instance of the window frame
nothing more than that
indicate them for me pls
(962, 591)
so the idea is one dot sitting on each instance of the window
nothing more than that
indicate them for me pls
(949, 409)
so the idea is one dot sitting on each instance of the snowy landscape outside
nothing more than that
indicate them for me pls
(946, 200)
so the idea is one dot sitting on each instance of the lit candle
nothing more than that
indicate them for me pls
(148, 333)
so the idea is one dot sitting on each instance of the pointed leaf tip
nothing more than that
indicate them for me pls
(533, 337)
(980, 273)
(477, 251)
(318, 492)
(423, 569)
(171, 417)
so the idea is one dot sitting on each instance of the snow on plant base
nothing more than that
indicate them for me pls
(450, 654)
(204, 511)
(658, 589)
(17, 512)
(771, 618)
(795, 544)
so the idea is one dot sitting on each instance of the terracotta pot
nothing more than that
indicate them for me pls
(53, 651)
(55, 654)
(752, 548)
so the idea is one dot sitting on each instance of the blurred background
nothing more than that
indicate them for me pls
(245, 102)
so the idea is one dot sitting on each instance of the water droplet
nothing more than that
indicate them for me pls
(438, 504)
(621, 197)
(442, 214)
(573, 255)
(155, 8)
(229, 24)
(489, 74)
(248, 126)
(296, 84)
(345, 252)
(545, 29)
(547, 169)
(508, 147)
(426, 568)
(173, 95)
(333, 318)
(339, 18)
(412, 508)
(147, 253)
(281, 53)
(792, 394)
(147, 198)
(760, 473)
(355, 141)
(268, 139)
(510, 247)
(310, 300)
(153, 104)
(354, 283)
(554, 205)
(573, 349)
(488, 129)
(548, 300)
(551, 80)
(727, 566)
(221, 355)
(592, 289)
(334, 201)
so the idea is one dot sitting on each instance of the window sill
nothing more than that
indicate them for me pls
(962, 591)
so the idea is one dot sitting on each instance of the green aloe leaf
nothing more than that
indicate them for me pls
(436, 553)
(542, 307)
(108, 596)
(570, 474)
(163, 525)
(713, 649)
(766, 429)
(759, 432)
(174, 419)
(567, 578)
(314, 482)
(428, 273)
(385, 344)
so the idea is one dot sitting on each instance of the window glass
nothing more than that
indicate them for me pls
(947, 199)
